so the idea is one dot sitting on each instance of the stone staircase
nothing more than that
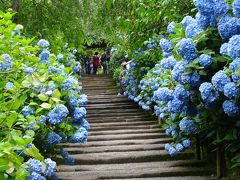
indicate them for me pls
(125, 142)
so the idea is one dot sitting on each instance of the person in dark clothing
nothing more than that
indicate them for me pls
(96, 62)
(87, 62)
(105, 58)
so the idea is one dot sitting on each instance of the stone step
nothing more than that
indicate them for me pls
(119, 120)
(123, 124)
(137, 173)
(103, 128)
(125, 136)
(126, 131)
(110, 106)
(128, 157)
(109, 143)
(145, 165)
(110, 111)
(118, 114)
(117, 148)
(173, 178)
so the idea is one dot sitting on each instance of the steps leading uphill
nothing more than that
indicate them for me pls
(125, 142)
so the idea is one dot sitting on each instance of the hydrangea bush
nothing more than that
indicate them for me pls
(194, 84)
(41, 104)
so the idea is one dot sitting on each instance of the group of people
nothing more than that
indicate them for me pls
(95, 63)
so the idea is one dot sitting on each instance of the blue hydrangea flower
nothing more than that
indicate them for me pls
(50, 167)
(202, 21)
(26, 111)
(231, 90)
(186, 49)
(234, 65)
(234, 45)
(77, 67)
(205, 7)
(205, 60)
(73, 102)
(192, 79)
(236, 8)
(43, 43)
(6, 63)
(186, 143)
(167, 54)
(163, 116)
(57, 114)
(208, 93)
(35, 165)
(166, 45)
(228, 26)
(43, 120)
(150, 46)
(68, 83)
(178, 70)
(80, 136)
(72, 56)
(230, 108)
(60, 57)
(219, 80)
(35, 176)
(193, 29)
(220, 7)
(53, 138)
(175, 105)
(224, 49)
(179, 147)
(44, 56)
(163, 94)
(186, 21)
(79, 113)
(172, 151)
(170, 28)
(69, 63)
(69, 161)
(168, 63)
(167, 146)
(188, 126)
(181, 93)
(28, 70)
(9, 85)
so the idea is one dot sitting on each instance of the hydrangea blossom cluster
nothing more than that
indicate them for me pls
(53, 138)
(26, 111)
(43, 43)
(188, 126)
(170, 28)
(80, 136)
(9, 85)
(187, 50)
(57, 114)
(44, 56)
(6, 62)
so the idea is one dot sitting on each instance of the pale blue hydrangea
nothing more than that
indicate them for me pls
(234, 46)
(163, 116)
(80, 136)
(208, 93)
(186, 21)
(42, 120)
(188, 126)
(230, 108)
(193, 29)
(43, 43)
(72, 56)
(228, 26)
(175, 105)
(35, 165)
(203, 21)
(166, 45)
(236, 8)
(170, 28)
(231, 90)
(150, 46)
(35, 176)
(233, 66)
(57, 114)
(77, 67)
(167, 146)
(9, 85)
(6, 63)
(220, 7)
(179, 147)
(167, 54)
(44, 56)
(186, 143)
(53, 138)
(205, 7)
(26, 111)
(224, 49)
(168, 63)
(50, 167)
(172, 151)
(205, 60)
(181, 93)
(68, 83)
(28, 70)
(186, 49)
(219, 80)
(178, 70)
(60, 57)
(79, 114)
(163, 94)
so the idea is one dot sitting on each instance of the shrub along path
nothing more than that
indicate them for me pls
(125, 142)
